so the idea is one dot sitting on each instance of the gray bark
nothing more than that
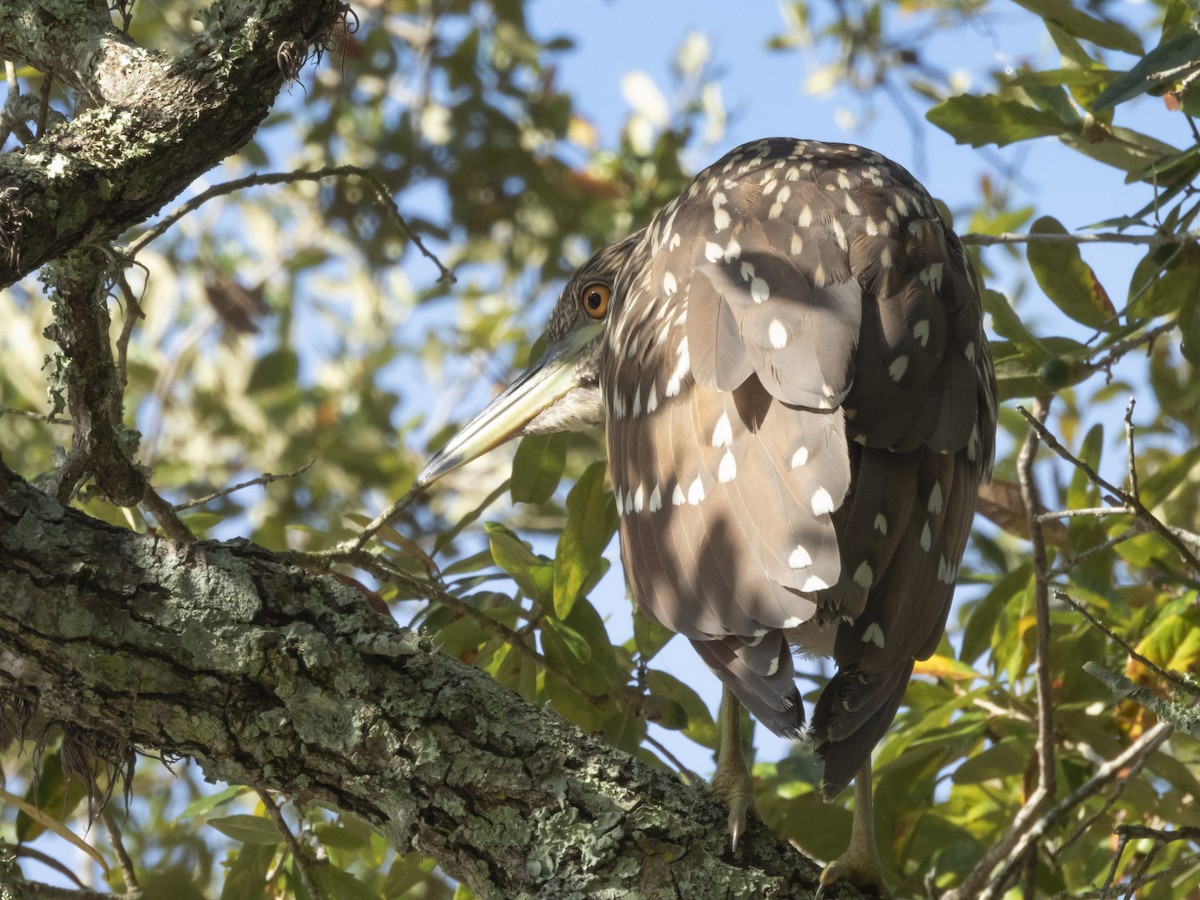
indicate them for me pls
(285, 680)
(148, 123)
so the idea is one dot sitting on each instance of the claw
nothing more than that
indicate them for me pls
(860, 864)
(732, 782)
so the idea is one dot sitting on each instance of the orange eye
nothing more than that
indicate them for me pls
(595, 300)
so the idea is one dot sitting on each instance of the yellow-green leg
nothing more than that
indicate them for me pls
(732, 782)
(860, 864)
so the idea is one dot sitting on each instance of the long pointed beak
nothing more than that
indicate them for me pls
(540, 386)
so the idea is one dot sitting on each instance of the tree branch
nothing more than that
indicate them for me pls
(287, 681)
(188, 112)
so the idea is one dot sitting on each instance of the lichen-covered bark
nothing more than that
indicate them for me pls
(150, 124)
(286, 680)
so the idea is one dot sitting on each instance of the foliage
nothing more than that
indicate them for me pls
(298, 326)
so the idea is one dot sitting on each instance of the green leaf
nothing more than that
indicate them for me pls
(1066, 279)
(591, 522)
(538, 466)
(1009, 325)
(580, 646)
(212, 801)
(1154, 293)
(1004, 759)
(648, 636)
(571, 639)
(334, 882)
(990, 120)
(53, 793)
(247, 875)
(276, 369)
(533, 574)
(1104, 32)
(1189, 327)
(1165, 65)
(248, 829)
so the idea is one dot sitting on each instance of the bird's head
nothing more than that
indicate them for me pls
(561, 391)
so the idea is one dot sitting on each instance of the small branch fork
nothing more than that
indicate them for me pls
(1011, 856)
(378, 187)
(1128, 501)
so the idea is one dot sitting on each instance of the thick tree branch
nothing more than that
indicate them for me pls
(155, 122)
(284, 680)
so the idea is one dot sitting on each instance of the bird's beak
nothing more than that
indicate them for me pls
(539, 387)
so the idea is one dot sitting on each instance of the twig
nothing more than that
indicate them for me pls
(383, 518)
(1029, 493)
(41, 417)
(1093, 511)
(1010, 850)
(1119, 349)
(263, 479)
(164, 515)
(1125, 766)
(114, 836)
(293, 845)
(375, 565)
(1181, 717)
(1122, 495)
(1137, 529)
(229, 187)
(1100, 237)
(1165, 674)
(1132, 460)
(683, 770)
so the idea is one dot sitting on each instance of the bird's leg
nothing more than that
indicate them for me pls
(732, 782)
(860, 864)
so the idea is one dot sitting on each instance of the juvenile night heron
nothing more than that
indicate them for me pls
(800, 405)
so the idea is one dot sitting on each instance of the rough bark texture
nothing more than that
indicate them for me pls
(153, 123)
(285, 680)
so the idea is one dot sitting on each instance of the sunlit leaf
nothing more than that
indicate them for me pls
(938, 666)
(1067, 280)
(979, 121)
(1165, 65)
(538, 467)
(248, 829)
(534, 574)
(591, 523)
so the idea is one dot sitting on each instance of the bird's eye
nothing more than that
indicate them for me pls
(595, 300)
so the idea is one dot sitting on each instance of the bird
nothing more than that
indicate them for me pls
(799, 406)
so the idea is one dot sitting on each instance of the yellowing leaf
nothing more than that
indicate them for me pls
(939, 666)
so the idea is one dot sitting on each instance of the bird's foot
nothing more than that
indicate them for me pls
(733, 785)
(860, 866)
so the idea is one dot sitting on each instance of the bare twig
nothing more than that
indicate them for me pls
(1069, 564)
(1165, 674)
(1119, 349)
(41, 417)
(229, 187)
(114, 836)
(1096, 511)
(1029, 493)
(383, 518)
(303, 862)
(1132, 458)
(164, 515)
(263, 479)
(1100, 237)
(683, 770)
(1123, 767)
(1010, 850)
(1122, 496)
